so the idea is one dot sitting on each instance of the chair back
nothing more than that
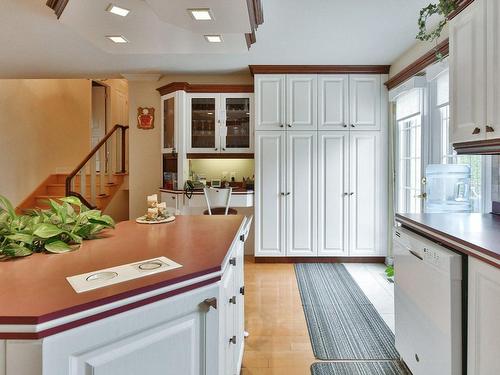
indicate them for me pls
(216, 197)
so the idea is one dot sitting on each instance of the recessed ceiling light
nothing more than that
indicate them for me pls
(213, 38)
(117, 39)
(119, 11)
(201, 14)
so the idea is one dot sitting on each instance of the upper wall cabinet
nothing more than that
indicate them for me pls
(301, 108)
(270, 99)
(333, 99)
(364, 95)
(468, 74)
(493, 68)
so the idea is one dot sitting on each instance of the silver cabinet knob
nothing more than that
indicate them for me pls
(232, 300)
(232, 261)
(232, 340)
(282, 126)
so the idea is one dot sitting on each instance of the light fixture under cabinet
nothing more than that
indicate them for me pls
(213, 38)
(119, 39)
(119, 11)
(201, 14)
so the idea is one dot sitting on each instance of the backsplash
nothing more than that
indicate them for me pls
(495, 178)
(215, 168)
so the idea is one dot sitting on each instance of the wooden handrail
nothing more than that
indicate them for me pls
(89, 156)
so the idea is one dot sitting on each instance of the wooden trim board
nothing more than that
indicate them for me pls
(221, 155)
(462, 4)
(203, 88)
(418, 65)
(483, 147)
(57, 6)
(319, 69)
(373, 259)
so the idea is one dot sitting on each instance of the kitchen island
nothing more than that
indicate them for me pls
(478, 237)
(186, 320)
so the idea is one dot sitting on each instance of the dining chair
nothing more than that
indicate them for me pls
(218, 201)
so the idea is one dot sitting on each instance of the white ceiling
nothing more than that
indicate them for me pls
(164, 39)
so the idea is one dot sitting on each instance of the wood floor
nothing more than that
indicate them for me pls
(279, 342)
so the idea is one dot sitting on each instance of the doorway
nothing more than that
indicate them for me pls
(98, 126)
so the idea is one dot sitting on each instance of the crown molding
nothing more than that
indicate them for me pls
(319, 69)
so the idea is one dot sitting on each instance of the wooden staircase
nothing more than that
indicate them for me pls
(94, 181)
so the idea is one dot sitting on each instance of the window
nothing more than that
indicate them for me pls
(409, 151)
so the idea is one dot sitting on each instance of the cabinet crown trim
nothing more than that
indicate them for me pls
(204, 88)
(319, 69)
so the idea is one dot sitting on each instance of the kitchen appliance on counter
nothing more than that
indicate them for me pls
(447, 188)
(428, 305)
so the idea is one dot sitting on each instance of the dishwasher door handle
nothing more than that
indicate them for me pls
(415, 254)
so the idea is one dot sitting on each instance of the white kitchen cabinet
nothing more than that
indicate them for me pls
(333, 102)
(171, 199)
(333, 185)
(483, 338)
(228, 323)
(301, 194)
(468, 77)
(270, 102)
(493, 69)
(364, 193)
(301, 103)
(169, 123)
(236, 124)
(364, 100)
(270, 192)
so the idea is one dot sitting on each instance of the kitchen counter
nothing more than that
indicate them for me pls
(236, 191)
(477, 235)
(36, 300)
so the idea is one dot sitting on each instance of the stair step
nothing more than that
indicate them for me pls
(60, 189)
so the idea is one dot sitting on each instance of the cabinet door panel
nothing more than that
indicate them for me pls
(364, 192)
(364, 92)
(203, 123)
(493, 67)
(333, 183)
(301, 102)
(484, 309)
(301, 193)
(269, 186)
(270, 102)
(237, 123)
(468, 75)
(333, 100)
(228, 320)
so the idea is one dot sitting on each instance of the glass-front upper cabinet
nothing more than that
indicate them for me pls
(168, 118)
(237, 129)
(204, 121)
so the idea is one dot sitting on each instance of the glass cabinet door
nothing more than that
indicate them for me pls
(168, 126)
(237, 134)
(204, 130)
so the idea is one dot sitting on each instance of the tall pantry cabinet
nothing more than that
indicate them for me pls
(320, 165)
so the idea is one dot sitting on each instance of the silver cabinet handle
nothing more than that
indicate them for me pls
(223, 149)
(216, 149)
(287, 194)
(232, 261)
(232, 340)
(232, 300)
(282, 126)
(351, 193)
(346, 194)
(345, 125)
(415, 254)
(476, 130)
(242, 290)
(289, 125)
(353, 126)
(210, 302)
(490, 129)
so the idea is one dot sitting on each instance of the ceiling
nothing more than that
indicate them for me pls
(164, 39)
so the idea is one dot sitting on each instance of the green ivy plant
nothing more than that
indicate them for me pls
(442, 8)
(59, 229)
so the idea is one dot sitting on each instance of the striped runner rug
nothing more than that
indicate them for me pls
(358, 368)
(342, 323)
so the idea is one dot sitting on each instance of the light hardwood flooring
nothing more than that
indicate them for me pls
(279, 343)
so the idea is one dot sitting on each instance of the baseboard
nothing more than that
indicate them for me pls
(370, 259)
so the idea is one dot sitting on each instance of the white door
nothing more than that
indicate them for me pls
(270, 102)
(333, 190)
(301, 193)
(365, 93)
(333, 102)
(301, 92)
(483, 339)
(364, 193)
(468, 74)
(98, 130)
(493, 68)
(270, 192)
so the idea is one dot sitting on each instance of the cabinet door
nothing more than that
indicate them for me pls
(270, 102)
(301, 92)
(229, 339)
(364, 193)
(203, 120)
(333, 188)
(269, 193)
(493, 68)
(468, 74)
(168, 123)
(301, 193)
(364, 93)
(237, 123)
(333, 100)
(484, 309)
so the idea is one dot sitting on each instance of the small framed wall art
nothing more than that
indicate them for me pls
(145, 118)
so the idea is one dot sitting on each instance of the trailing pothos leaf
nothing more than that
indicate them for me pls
(59, 229)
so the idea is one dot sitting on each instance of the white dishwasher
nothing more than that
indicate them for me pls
(428, 307)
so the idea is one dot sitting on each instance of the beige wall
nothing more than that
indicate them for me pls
(414, 52)
(145, 154)
(44, 127)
